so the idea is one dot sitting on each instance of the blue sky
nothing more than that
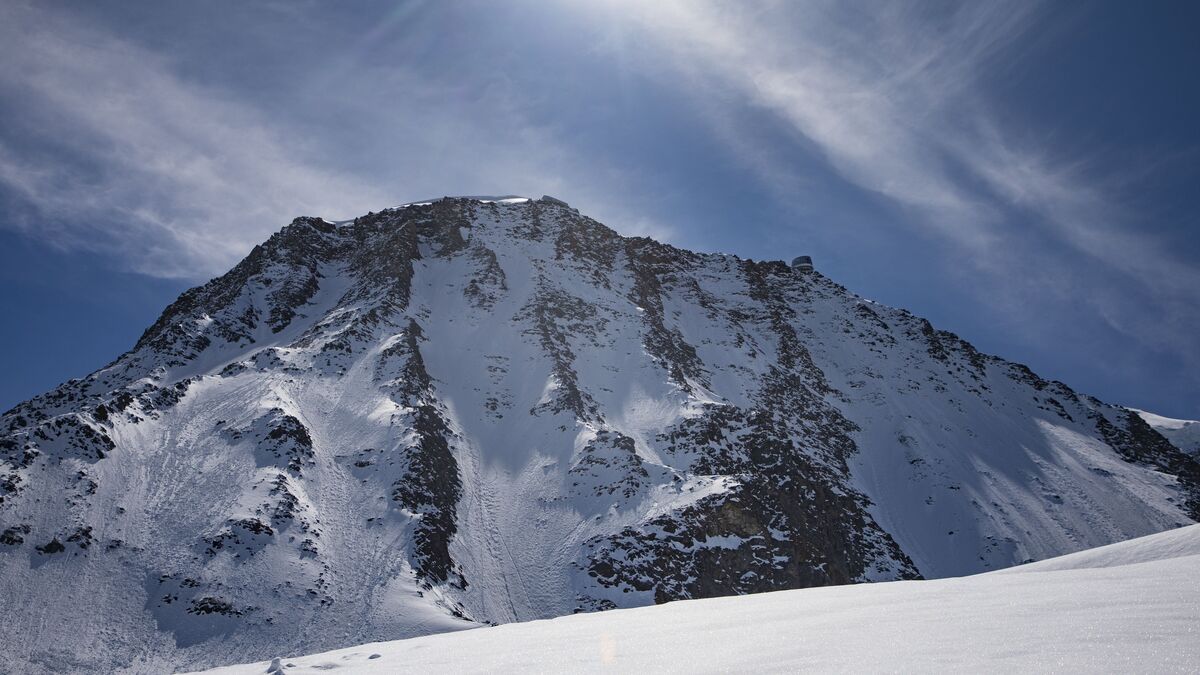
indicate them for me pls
(1024, 174)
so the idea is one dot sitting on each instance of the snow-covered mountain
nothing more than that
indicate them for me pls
(1183, 434)
(1127, 607)
(491, 410)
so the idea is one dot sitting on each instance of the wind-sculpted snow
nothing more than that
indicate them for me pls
(475, 411)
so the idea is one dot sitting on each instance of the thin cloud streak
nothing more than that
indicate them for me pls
(890, 99)
(171, 154)
(181, 180)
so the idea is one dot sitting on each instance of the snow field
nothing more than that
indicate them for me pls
(1132, 607)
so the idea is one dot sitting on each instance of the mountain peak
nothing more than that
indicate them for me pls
(489, 409)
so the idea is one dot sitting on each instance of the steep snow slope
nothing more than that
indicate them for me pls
(1131, 607)
(492, 410)
(1183, 434)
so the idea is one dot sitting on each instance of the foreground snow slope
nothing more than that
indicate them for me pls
(1128, 607)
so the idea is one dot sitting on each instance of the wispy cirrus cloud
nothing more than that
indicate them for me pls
(890, 95)
(868, 88)
(138, 157)
(109, 147)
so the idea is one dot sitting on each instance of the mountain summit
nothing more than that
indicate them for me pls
(485, 410)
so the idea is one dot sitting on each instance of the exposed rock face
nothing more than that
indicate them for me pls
(478, 411)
